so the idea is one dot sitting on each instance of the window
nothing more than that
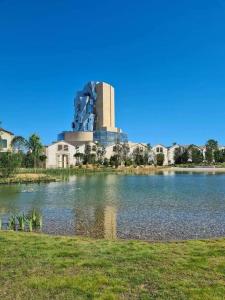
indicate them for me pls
(66, 148)
(3, 143)
(60, 147)
(159, 149)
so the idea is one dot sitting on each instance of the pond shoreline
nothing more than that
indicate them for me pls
(55, 175)
(28, 178)
(198, 169)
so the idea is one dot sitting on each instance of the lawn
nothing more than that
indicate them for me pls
(36, 266)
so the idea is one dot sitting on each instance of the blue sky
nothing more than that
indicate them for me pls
(166, 60)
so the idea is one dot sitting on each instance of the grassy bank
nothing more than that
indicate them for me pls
(94, 169)
(28, 178)
(50, 175)
(44, 267)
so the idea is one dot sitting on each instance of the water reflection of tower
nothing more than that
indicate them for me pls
(98, 222)
(98, 218)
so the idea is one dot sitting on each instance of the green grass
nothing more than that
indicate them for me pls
(36, 266)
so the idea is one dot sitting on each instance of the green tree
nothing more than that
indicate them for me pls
(100, 153)
(211, 147)
(219, 156)
(0, 139)
(79, 156)
(181, 155)
(106, 162)
(196, 154)
(125, 152)
(89, 158)
(33, 146)
(9, 163)
(140, 156)
(19, 143)
(160, 159)
(117, 158)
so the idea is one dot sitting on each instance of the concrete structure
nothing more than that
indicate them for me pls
(60, 155)
(6, 138)
(77, 137)
(94, 118)
(105, 107)
(63, 155)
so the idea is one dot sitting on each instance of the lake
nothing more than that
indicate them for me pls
(164, 206)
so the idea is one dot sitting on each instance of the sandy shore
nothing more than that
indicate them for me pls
(199, 169)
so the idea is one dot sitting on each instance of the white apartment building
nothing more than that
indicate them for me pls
(6, 138)
(63, 155)
(60, 155)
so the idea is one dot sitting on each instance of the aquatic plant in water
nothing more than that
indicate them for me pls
(12, 223)
(30, 223)
(21, 222)
(36, 219)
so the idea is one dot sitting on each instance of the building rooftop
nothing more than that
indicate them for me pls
(9, 132)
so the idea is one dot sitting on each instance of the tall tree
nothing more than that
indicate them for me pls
(219, 156)
(0, 137)
(195, 154)
(9, 162)
(33, 145)
(139, 156)
(19, 143)
(181, 155)
(211, 147)
(160, 159)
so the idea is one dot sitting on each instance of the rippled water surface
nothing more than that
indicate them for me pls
(153, 207)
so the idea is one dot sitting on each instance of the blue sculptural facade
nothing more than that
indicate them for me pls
(85, 108)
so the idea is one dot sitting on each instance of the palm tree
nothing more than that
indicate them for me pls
(33, 146)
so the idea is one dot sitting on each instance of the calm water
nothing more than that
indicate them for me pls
(154, 207)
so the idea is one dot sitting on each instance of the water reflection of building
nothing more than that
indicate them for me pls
(96, 222)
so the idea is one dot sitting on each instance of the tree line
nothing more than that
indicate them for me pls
(210, 154)
(28, 153)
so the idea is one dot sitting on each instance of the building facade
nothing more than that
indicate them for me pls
(94, 118)
(6, 138)
(60, 155)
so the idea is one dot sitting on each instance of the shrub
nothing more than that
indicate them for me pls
(9, 163)
(160, 159)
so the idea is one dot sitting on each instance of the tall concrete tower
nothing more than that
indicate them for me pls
(105, 107)
(94, 118)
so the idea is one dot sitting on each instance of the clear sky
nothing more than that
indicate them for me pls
(166, 60)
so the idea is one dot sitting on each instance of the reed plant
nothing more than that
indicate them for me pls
(12, 223)
(36, 219)
(22, 222)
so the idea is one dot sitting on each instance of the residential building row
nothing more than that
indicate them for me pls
(61, 154)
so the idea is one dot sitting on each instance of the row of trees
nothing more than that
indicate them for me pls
(27, 153)
(120, 156)
(210, 155)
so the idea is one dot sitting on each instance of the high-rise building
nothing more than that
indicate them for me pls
(94, 118)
